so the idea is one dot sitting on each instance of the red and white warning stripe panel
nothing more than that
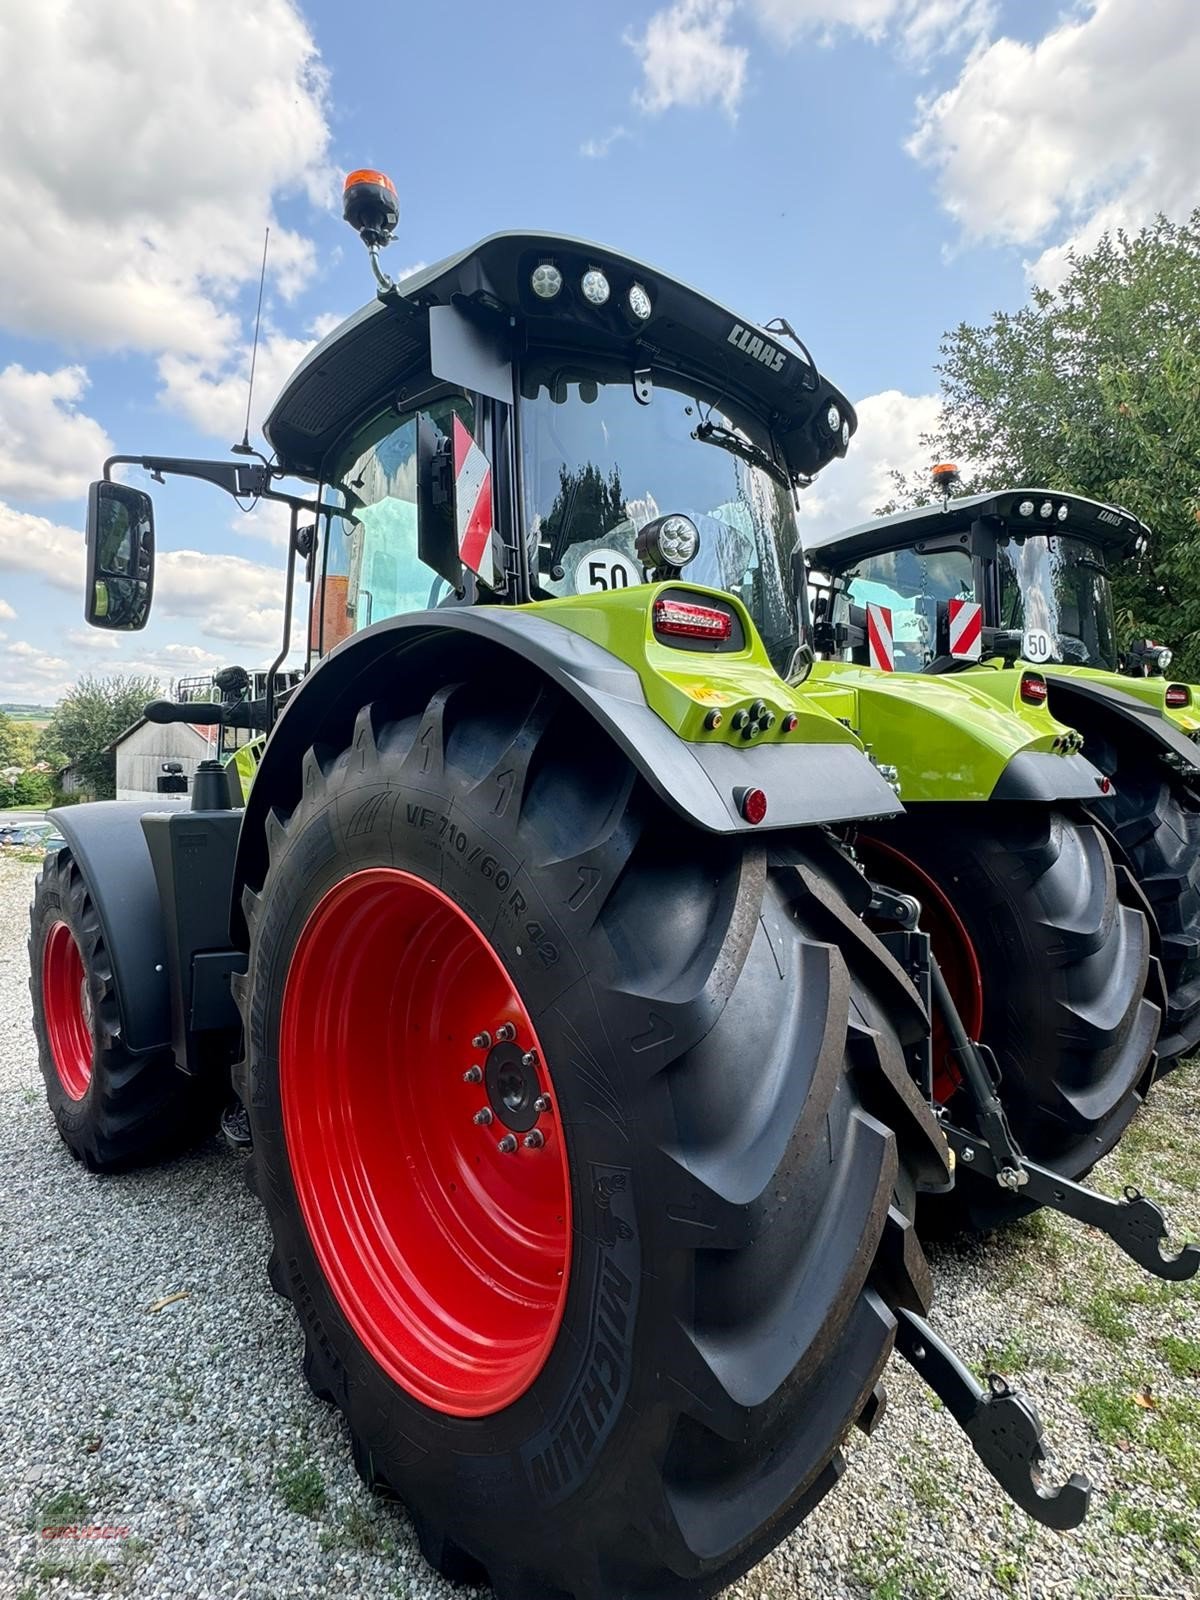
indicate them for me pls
(473, 499)
(966, 629)
(880, 646)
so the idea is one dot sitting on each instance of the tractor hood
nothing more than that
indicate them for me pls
(953, 740)
(490, 288)
(1111, 527)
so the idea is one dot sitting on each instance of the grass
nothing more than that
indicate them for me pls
(1181, 1355)
(358, 1529)
(61, 1510)
(1102, 1312)
(300, 1485)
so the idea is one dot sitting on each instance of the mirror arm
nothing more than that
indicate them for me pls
(240, 481)
(286, 645)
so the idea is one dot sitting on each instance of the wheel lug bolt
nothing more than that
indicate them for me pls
(507, 1145)
(472, 1075)
(483, 1117)
(481, 1041)
(529, 1059)
(542, 1103)
(534, 1140)
(506, 1033)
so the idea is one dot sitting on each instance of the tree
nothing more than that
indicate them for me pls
(31, 790)
(587, 506)
(17, 742)
(1095, 387)
(90, 717)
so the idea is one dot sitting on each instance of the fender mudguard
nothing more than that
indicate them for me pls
(405, 658)
(106, 839)
(1073, 700)
(1036, 775)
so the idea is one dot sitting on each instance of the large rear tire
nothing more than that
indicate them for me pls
(1156, 823)
(114, 1107)
(1049, 960)
(622, 1362)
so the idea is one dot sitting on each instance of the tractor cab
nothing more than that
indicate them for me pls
(540, 418)
(1029, 566)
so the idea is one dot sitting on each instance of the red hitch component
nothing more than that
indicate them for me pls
(1033, 689)
(691, 621)
(1178, 694)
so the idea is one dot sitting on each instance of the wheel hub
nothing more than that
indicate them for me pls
(513, 1088)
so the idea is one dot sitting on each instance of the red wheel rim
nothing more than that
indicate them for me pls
(449, 1258)
(953, 948)
(67, 1007)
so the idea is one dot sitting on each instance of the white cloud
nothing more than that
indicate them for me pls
(921, 28)
(211, 394)
(33, 544)
(687, 59)
(597, 149)
(7, 612)
(92, 639)
(269, 521)
(890, 427)
(142, 147)
(49, 449)
(1096, 125)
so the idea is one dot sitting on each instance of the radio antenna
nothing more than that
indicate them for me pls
(246, 448)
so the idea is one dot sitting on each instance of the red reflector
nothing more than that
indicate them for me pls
(691, 622)
(1178, 694)
(1033, 690)
(752, 803)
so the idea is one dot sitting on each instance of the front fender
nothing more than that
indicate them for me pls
(962, 737)
(403, 659)
(106, 839)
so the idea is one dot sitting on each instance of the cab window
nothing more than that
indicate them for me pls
(372, 568)
(911, 585)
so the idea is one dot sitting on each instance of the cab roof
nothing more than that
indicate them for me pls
(1112, 527)
(367, 359)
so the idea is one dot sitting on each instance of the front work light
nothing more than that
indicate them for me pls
(1026, 508)
(595, 287)
(670, 541)
(638, 302)
(546, 280)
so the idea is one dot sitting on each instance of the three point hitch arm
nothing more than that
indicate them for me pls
(1003, 1427)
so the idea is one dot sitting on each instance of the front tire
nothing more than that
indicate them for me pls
(727, 1178)
(1049, 960)
(114, 1107)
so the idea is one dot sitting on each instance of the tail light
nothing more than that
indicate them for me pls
(1033, 689)
(1178, 694)
(689, 621)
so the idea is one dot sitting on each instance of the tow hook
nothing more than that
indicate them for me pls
(1133, 1223)
(1136, 1225)
(1003, 1427)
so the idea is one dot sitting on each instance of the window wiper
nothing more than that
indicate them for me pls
(726, 439)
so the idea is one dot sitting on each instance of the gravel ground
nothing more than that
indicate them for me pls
(192, 1427)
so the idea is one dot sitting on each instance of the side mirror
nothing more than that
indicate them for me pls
(120, 557)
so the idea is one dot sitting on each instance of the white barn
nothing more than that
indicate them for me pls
(142, 749)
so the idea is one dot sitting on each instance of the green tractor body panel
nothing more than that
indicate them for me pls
(1152, 691)
(947, 738)
(686, 686)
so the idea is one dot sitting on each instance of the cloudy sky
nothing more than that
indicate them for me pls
(874, 170)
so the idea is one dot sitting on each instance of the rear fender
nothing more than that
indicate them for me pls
(821, 777)
(1119, 716)
(960, 737)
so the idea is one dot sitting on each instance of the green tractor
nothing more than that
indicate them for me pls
(587, 1110)
(1011, 591)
